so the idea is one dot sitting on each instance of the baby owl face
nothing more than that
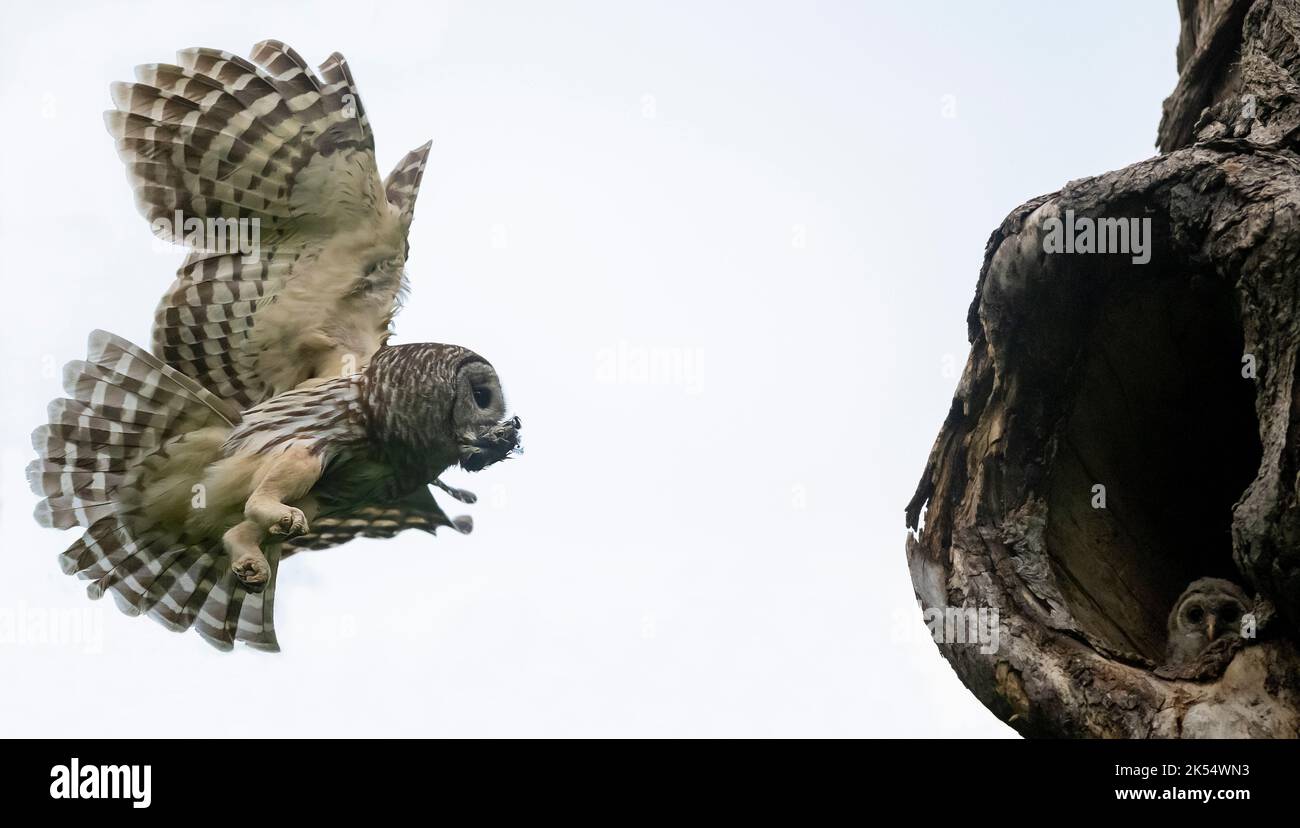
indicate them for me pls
(1209, 609)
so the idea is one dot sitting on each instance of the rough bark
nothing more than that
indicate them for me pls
(1089, 369)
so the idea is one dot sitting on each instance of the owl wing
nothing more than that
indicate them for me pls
(267, 172)
(417, 510)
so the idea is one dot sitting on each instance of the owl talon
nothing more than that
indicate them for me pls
(280, 521)
(290, 525)
(253, 571)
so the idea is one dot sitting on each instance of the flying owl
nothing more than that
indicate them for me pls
(272, 415)
(1209, 610)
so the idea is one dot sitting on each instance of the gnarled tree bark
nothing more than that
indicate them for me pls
(1172, 386)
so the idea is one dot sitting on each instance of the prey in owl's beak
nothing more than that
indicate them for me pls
(481, 447)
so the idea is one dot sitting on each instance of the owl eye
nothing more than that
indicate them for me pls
(1196, 615)
(482, 397)
(1229, 614)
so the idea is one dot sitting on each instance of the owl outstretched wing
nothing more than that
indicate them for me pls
(268, 173)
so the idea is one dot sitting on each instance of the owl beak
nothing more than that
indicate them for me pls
(1209, 627)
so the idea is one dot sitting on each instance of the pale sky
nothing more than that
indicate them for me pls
(784, 210)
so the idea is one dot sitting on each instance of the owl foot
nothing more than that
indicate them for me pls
(280, 522)
(248, 563)
(290, 525)
(253, 571)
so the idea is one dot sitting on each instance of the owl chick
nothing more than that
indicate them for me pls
(1209, 609)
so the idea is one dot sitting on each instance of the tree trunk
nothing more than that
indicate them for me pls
(1123, 428)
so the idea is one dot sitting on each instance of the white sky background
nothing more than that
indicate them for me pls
(716, 553)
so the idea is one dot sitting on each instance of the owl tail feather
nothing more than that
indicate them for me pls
(126, 410)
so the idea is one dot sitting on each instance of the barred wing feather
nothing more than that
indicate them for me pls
(220, 150)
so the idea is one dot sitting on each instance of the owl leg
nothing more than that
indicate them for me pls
(288, 476)
(243, 542)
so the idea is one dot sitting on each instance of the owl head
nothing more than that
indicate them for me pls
(1208, 610)
(431, 406)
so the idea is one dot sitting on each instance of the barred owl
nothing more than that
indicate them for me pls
(272, 415)
(1209, 610)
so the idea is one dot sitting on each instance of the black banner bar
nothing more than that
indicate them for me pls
(146, 777)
